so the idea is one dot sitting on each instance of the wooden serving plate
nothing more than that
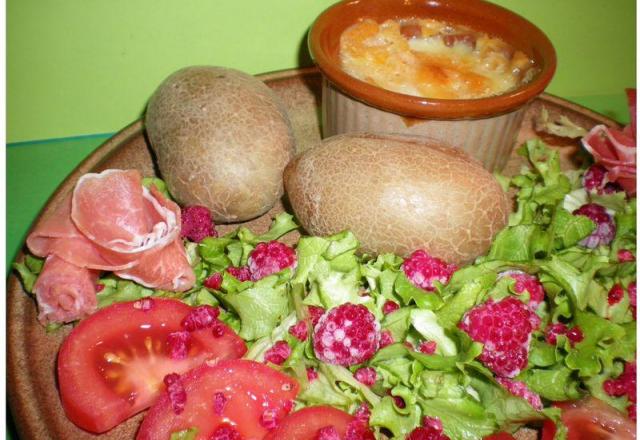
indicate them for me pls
(31, 379)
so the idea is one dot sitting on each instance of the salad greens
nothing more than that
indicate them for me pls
(542, 238)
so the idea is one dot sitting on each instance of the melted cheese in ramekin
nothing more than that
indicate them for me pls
(432, 59)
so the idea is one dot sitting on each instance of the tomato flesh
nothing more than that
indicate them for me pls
(499, 436)
(249, 390)
(112, 365)
(591, 419)
(305, 423)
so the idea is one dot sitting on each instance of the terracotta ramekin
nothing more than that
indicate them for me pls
(485, 128)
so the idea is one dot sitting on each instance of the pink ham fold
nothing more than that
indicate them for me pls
(65, 292)
(111, 222)
(616, 149)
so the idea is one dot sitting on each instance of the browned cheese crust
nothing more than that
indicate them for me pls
(222, 139)
(397, 194)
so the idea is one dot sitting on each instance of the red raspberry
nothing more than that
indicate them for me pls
(225, 431)
(553, 330)
(328, 433)
(315, 312)
(432, 430)
(615, 294)
(520, 389)
(279, 353)
(358, 430)
(200, 317)
(363, 413)
(428, 347)
(269, 258)
(178, 344)
(625, 256)
(575, 335)
(631, 289)
(385, 338)
(366, 375)
(346, 335)
(423, 269)
(99, 288)
(218, 330)
(625, 384)
(299, 331)
(197, 223)
(390, 307)
(527, 283)
(175, 391)
(240, 273)
(312, 374)
(605, 226)
(214, 281)
(593, 179)
(219, 402)
(505, 328)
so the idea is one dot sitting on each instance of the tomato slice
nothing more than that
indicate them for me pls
(112, 365)
(591, 419)
(245, 396)
(305, 424)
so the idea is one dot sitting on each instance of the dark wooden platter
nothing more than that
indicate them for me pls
(31, 351)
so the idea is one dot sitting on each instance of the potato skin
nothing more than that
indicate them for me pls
(221, 139)
(397, 194)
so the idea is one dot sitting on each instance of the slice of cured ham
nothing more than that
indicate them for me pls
(616, 149)
(112, 222)
(166, 269)
(65, 292)
(114, 211)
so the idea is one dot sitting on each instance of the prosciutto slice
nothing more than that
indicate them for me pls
(65, 292)
(111, 222)
(616, 149)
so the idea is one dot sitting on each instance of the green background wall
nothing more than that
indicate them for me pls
(77, 67)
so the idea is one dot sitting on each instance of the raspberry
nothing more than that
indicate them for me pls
(363, 413)
(605, 226)
(358, 429)
(385, 338)
(328, 433)
(505, 328)
(631, 289)
(431, 430)
(423, 269)
(625, 256)
(219, 402)
(197, 223)
(312, 374)
(269, 258)
(214, 281)
(175, 391)
(428, 347)
(553, 330)
(178, 344)
(520, 389)
(200, 317)
(397, 400)
(240, 273)
(575, 335)
(218, 330)
(625, 384)
(99, 288)
(225, 431)
(527, 283)
(315, 312)
(593, 179)
(390, 307)
(346, 335)
(615, 294)
(279, 353)
(299, 331)
(366, 375)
